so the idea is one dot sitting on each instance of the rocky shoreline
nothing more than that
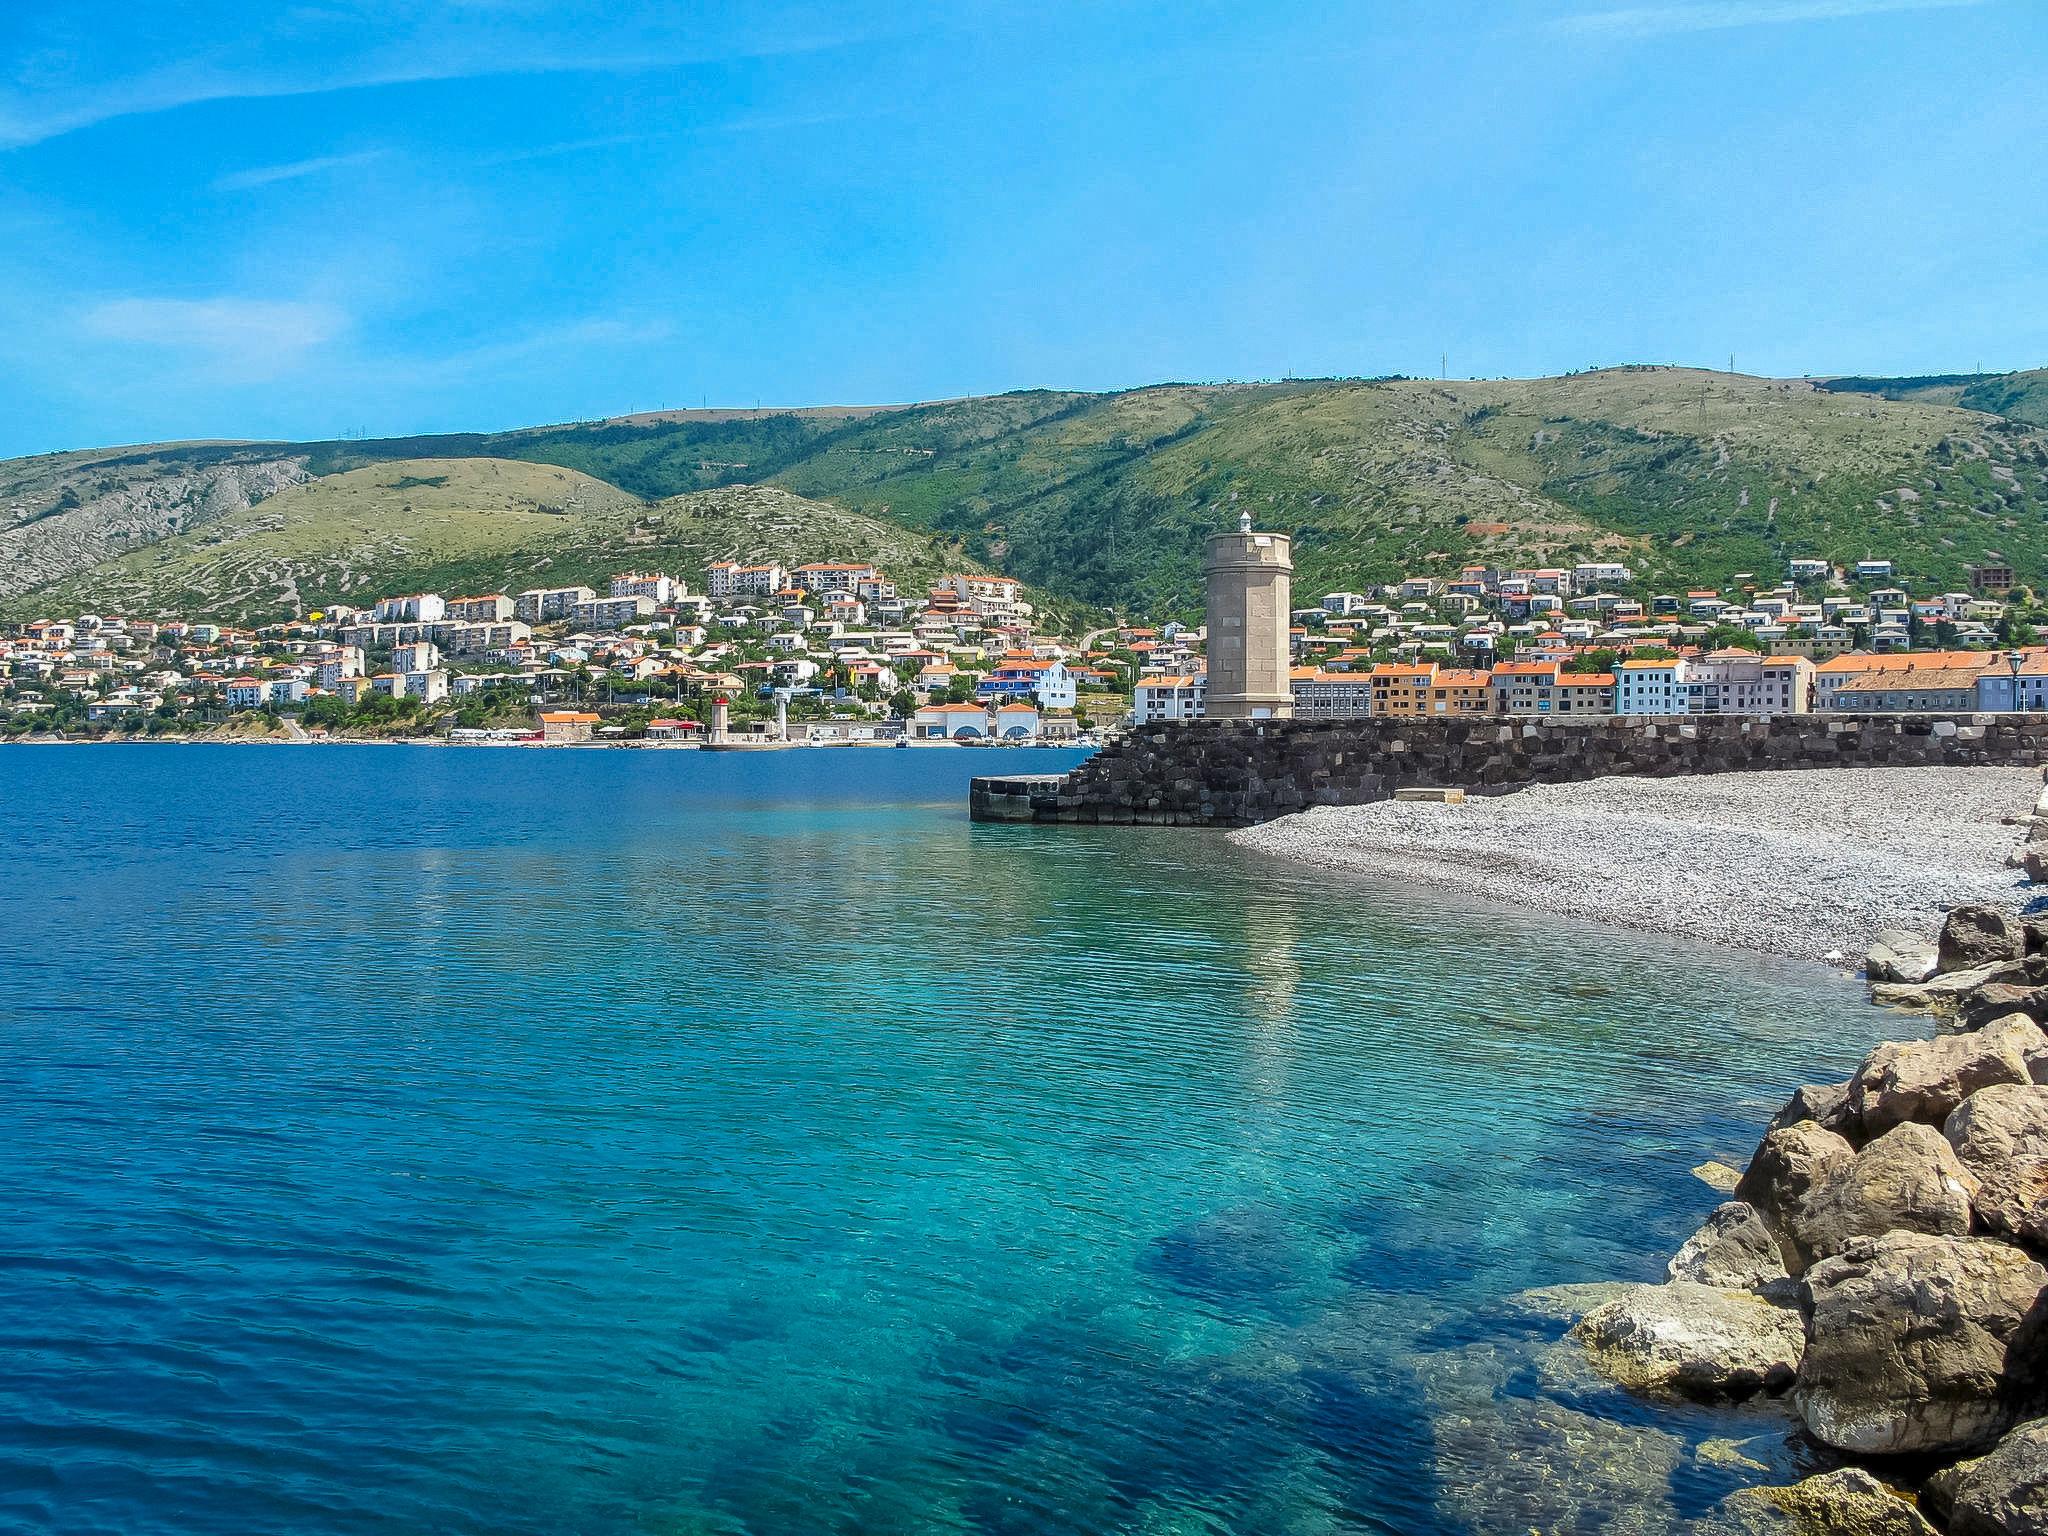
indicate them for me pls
(1879, 1266)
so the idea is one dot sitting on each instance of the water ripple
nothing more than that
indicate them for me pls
(508, 1142)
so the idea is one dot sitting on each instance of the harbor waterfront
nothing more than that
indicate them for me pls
(627, 1141)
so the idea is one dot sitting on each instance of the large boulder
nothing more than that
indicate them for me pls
(1790, 1182)
(1925, 1080)
(1825, 1104)
(1846, 1502)
(1917, 1343)
(2004, 1493)
(1896, 955)
(1909, 1179)
(2000, 1134)
(1732, 1249)
(1698, 1340)
(1979, 934)
(1941, 993)
(1996, 999)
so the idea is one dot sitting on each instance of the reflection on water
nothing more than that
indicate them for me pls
(503, 1141)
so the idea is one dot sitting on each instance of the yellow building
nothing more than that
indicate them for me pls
(1461, 691)
(1402, 689)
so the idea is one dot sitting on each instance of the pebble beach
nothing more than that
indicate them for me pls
(1807, 863)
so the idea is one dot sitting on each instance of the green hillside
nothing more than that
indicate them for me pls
(465, 525)
(1689, 476)
(2021, 396)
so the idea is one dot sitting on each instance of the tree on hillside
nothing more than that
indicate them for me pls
(1732, 637)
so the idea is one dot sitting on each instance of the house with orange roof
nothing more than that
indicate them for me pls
(1912, 690)
(1461, 691)
(949, 722)
(1402, 688)
(1525, 687)
(565, 727)
(1832, 675)
(1734, 681)
(1162, 698)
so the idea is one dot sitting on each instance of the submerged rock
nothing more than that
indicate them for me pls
(1896, 955)
(1733, 1249)
(1718, 1176)
(1698, 1340)
(1925, 1080)
(2000, 1134)
(1847, 1502)
(2003, 1493)
(1917, 1343)
(1509, 1461)
(1568, 1303)
(1979, 934)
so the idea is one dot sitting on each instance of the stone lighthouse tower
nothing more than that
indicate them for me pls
(1250, 605)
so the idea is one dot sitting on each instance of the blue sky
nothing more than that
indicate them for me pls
(264, 220)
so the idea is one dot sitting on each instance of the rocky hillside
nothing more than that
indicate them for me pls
(463, 525)
(65, 512)
(1690, 476)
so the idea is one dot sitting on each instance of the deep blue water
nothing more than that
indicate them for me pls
(508, 1141)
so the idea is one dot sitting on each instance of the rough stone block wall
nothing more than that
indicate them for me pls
(1232, 773)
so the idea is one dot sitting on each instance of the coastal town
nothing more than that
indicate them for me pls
(831, 652)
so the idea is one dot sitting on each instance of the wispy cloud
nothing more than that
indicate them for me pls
(247, 338)
(593, 333)
(41, 101)
(565, 147)
(266, 175)
(1721, 15)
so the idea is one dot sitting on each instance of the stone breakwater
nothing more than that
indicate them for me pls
(1882, 1264)
(1230, 773)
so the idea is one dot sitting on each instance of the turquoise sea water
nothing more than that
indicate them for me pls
(502, 1141)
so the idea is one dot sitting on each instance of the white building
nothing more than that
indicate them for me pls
(1650, 687)
(728, 579)
(244, 693)
(1345, 604)
(1320, 695)
(414, 608)
(1873, 570)
(542, 605)
(493, 608)
(1809, 570)
(949, 722)
(1591, 575)
(1016, 722)
(419, 656)
(1739, 682)
(832, 576)
(426, 686)
(610, 612)
(662, 589)
(330, 667)
(1170, 698)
